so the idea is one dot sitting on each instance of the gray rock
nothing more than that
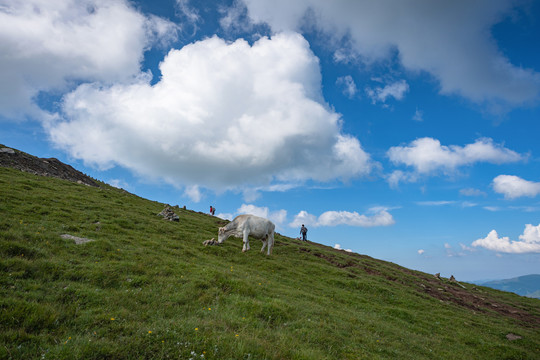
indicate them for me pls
(169, 214)
(78, 240)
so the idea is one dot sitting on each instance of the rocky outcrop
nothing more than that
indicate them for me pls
(169, 214)
(45, 167)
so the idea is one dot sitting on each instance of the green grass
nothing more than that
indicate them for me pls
(148, 289)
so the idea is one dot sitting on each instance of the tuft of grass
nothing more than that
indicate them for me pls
(146, 288)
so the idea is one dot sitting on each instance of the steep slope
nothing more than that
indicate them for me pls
(146, 288)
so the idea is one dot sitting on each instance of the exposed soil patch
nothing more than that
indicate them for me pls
(472, 298)
(443, 289)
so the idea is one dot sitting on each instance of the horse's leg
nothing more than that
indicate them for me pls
(265, 242)
(270, 243)
(246, 241)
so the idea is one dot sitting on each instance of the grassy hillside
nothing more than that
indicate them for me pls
(147, 288)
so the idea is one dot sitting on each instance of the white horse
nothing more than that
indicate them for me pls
(245, 225)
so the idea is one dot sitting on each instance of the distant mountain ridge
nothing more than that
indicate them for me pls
(527, 285)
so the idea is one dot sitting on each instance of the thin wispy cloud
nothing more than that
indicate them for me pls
(396, 90)
(379, 217)
(348, 85)
(472, 192)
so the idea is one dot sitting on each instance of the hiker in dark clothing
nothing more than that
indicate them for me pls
(303, 231)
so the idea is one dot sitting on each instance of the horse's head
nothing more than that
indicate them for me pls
(221, 235)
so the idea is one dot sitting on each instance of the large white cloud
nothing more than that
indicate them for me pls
(427, 156)
(223, 115)
(379, 217)
(45, 44)
(529, 241)
(451, 40)
(513, 186)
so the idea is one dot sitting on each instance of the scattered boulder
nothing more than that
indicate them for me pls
(78, 240)
(169, 214)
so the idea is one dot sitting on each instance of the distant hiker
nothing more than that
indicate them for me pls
(213, 211)
(303, 231)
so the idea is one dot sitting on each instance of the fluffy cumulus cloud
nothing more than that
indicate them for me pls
(448, 39)
(427, 157)
(513, 186)
(377, 217)
(222, 115)
(529, 241)
(47, 44)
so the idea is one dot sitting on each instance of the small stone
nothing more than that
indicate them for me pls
(78, 240)
(513, 337)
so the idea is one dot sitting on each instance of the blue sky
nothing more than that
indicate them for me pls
(407, 131)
